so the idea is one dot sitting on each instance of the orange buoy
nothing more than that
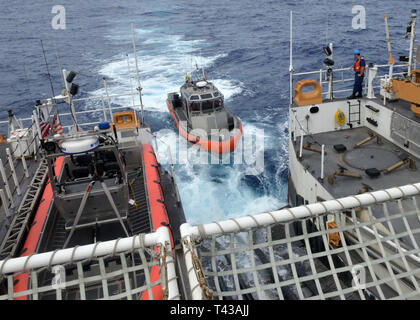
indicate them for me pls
(307, 98)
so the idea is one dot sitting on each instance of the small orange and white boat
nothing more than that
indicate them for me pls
(202, 118)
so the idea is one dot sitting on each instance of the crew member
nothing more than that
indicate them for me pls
(359, 69)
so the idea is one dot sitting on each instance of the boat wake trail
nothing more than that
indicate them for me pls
(209, 192)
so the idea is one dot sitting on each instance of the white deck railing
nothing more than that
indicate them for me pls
(129, 251)
(388, 260)
(384, 69)
(14, 171)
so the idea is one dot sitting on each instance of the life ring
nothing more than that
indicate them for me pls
(308, 98)
(340, 118)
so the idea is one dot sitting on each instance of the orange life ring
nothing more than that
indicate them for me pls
(308, 98)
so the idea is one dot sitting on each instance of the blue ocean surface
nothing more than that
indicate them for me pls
(243, 46)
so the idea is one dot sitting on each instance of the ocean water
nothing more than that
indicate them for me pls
(243, 46)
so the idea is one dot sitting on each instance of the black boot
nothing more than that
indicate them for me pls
(359, 95)
(351, 97)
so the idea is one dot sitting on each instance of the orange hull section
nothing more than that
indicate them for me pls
(34, 234)
(157, 209)
(208, 145)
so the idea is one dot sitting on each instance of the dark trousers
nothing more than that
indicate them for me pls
(358, 84)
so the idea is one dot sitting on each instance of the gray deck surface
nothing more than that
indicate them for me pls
(356, 160)
(370, 155)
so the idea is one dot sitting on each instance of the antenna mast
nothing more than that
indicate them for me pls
(59, 64)
(388, 40)
(139, 88)
(197, 71)
(291, 58)
(27, 81)
(413, 28)
(48, 71)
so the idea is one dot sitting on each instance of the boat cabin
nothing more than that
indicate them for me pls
(202, 106)
(200, 97)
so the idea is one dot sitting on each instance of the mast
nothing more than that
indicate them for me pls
(291, 59)
(388, 40)
(71, 91)
(48, 71)
(197, 70)
(139, 88)
(413, 28)
(329, 75)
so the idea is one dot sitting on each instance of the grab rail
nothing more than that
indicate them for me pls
(321, 73)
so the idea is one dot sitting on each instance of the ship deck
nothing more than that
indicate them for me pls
(357, 160)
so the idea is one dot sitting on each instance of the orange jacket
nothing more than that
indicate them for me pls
(357, 66)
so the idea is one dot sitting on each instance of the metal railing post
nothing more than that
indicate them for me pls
(25, 167)
(301, 145)
(34, 138)
(322, 161)
(5, 182)
(103, 108)
(13, 170)
(5, 203)
(107, 96)
(291, 60)
(38, 128)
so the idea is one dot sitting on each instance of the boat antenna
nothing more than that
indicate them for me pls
(291, 59)
(139, 88)
(388, 40)
(48, 71)
(197, 70)
(129, 77)
(27, 81)
(58, 62)
(413, 27)
(326, 31)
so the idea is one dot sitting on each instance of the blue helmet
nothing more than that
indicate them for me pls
(356, 51)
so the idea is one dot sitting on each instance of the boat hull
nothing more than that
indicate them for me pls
(157, 211)
(34, 236)
(218, 147)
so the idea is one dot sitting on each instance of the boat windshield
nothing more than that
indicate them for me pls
(206, 96)
(218, 103)
(207, 105)
(195, 106)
